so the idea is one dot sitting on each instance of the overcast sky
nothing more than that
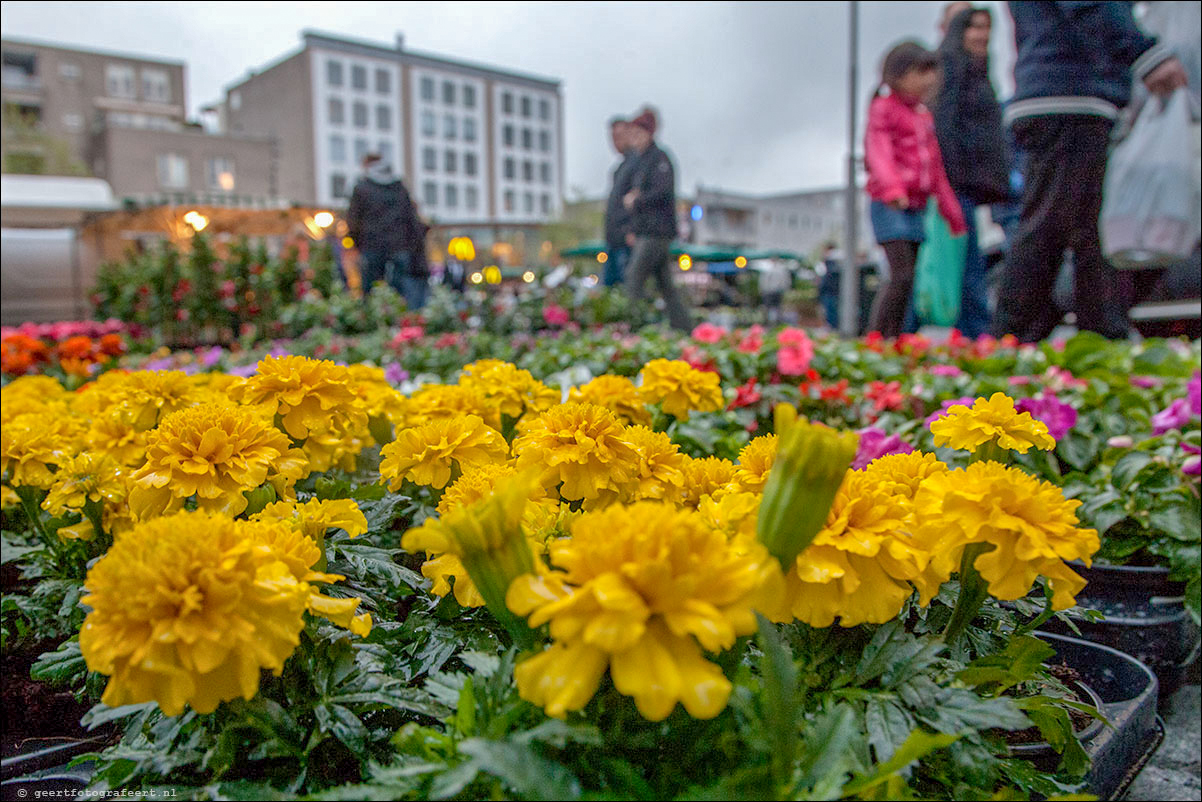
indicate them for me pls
(752, 95)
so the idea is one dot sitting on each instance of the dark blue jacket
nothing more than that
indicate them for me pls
(655, 208)
(1077, 58)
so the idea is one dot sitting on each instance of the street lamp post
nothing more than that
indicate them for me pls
(849, 280)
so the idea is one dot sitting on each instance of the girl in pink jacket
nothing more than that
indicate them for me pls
(904, 170)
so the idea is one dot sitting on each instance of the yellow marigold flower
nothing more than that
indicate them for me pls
(8, 497)
(904, 473)
(859, 567)
(84, 478)
(32, 444)
(428, 453)
(1030, 524)
(380, 399)
(112, 434)
(706, 476)
(581, 445)
(733, 513)
(643, 590)
(437, 401)
(314, 517)
(144, 398)
(44, 395)
(755, 461)
(306, 393)
(475, 483)
(679, 388)
(996, 422)
(506, 388)
(660, 466)
(188, 609)
(617, 394)
(214, 452)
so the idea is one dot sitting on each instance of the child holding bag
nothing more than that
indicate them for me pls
(905, 169)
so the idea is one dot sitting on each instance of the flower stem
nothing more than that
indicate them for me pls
(973, 591)
(33, 513)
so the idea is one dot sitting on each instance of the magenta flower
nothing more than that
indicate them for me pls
(945, 370)
(1058, 416)
(395, 374)
(1175, 417)
(1145, 382)
(556, 315)
(244, 370)
(1193, 391)
(874, 444)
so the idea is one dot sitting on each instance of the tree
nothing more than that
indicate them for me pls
(30, 150)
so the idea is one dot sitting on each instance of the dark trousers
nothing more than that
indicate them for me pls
(380, 265)
(1066, 164)
(893, 299)
(615, 266)
(649, 259)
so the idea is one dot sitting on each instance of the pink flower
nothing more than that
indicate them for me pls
(1175, 417)
(1192, 466)
(945, 370)
(793, 337)
(1018, 381)
(408, 334)
(395, 374)
(1145, 382)
(1193, 391)
(1121, 441)
(555, 315)
(708, 333)
(793, 360)
(939, 413)
(1058, 416)
(874, 444)
(752, 341)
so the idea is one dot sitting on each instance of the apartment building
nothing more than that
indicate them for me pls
(477, 145)
(122, 118)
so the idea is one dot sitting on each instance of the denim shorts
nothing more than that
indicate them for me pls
(890, 224)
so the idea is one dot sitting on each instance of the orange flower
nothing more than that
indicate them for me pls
(80, 348)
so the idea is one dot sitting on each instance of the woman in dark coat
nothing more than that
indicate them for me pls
(968, 125)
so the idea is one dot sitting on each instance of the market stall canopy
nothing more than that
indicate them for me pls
(52, 201)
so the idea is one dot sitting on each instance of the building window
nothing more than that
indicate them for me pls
(119, 81)
(430, 193)
(507, 102)
(471, 198)
(334, 73)
(173, 171)
(235, 100)
(429, 159)
(337, 149)
(526, 106)
(451, 194)
(544, 109)
(335, 111)
(383, 81)
(69, 71)
(469, 96)
(429, 127)
(427, 87)
(385, 151)
(544, 141)
(528, 202)
(450, 126)
(507, 135)
(156, 86)
(511, 202)
(510, 168)
(220, 174)
(358, 76)
(361, 148)
(338, 185)
(73, 121)
(469, 164)
(384, 118)
(448, 93)
(544, 172)
(359, 114)
(469, 129)
(527, 170)
(544, 202)
(450, 162)
(527, 139)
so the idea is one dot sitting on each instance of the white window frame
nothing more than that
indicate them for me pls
(156, 86)
(119, 81)
(172, 171)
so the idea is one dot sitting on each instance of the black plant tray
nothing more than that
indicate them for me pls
(1128, 690)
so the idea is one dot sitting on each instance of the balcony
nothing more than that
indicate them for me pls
(17, 80)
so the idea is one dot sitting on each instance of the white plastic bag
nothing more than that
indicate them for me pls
(1152, 200)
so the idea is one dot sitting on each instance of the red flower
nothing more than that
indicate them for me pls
(75, 348)
(181, 289)
(746, 395)
(556, 315)
(447, 340)
(885, 396)
(698, 359)
(753, 341)
(874, 341)
(834, 392)
(811, 377)
(407, 334)
(112, 345)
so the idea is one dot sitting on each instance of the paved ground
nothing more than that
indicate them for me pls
(1175, 771)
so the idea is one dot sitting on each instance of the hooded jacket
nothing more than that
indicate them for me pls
(617, 218)
(655, 207)
(381, 216)
(968, 121)
(903, 158)
(1077, 58)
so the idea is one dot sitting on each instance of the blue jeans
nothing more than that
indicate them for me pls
(380, 265)
(415, 289)
(615, 267)
(974, 304)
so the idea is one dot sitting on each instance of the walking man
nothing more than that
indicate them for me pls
(652, 200)
(390, 237)
(1073, 74)
(618, 233)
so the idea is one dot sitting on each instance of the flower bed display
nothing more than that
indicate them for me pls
(594, 563)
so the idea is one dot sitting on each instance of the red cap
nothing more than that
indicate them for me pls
(646, 121)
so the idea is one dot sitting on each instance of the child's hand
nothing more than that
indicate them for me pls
(901, 204)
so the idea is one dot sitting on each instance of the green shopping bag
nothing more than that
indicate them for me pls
(939, 274)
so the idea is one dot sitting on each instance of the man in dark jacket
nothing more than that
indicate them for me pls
(389, 235)
(1073, 74)
(618, 233)
(652, 200)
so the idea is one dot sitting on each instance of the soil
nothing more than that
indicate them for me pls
(35, 709)
(1080, 720)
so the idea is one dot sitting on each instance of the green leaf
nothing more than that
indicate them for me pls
(958, 710)
(781, 708)
(918, 745)
(522, 769)
(1177, 520)
(465, 714)
(888, 726)
(63, 666)
(1128, 466)
(344, 725)
(828, 758)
